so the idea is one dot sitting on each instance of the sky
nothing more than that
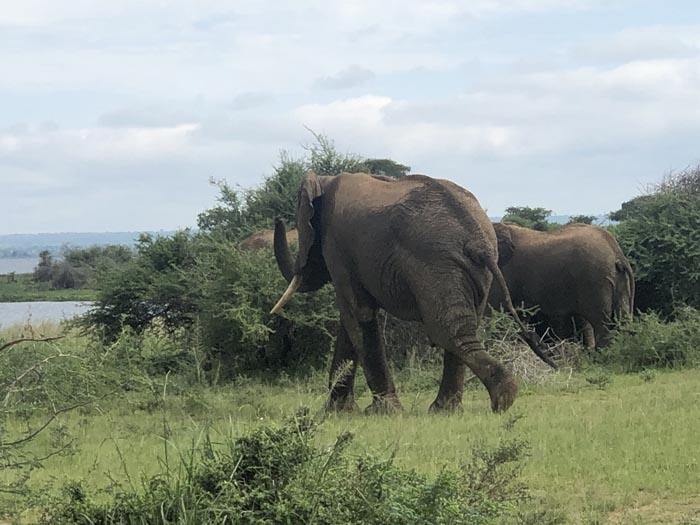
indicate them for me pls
(114, 116)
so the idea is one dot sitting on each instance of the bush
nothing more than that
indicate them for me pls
(651, 342)
(238, 289)
(660, 234)
(278, 475)
(533, 218)
(156, 287)
(40, 380)
(202, 284)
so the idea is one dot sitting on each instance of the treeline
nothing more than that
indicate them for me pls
(204, 285)
(79, 267)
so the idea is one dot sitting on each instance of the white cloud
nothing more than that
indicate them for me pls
(351, 76)
(641, 43)
(100, 144)
(363, 121)
(145, 99)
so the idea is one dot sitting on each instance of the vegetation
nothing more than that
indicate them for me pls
(582, 219)
(79, 267)
(22, 287)
(660, 233)
(160, 430)
(71, 278)
(533, 218)
(277, 474)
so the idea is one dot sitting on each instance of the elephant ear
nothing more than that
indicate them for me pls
(310, 195)
(505, 243)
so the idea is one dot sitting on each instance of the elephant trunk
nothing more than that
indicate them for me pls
(282, 254)
(525, 334)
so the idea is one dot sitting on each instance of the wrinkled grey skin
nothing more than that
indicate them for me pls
(576, 272)
(421, 248)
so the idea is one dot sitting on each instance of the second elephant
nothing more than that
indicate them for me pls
(576, 272)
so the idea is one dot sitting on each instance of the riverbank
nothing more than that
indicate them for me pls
(21, 288)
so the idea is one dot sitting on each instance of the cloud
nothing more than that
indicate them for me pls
(363, 121)
(97, 144)
(143, 118)
(640, 43)
(250, 100)
(351, 76)
(124, 109)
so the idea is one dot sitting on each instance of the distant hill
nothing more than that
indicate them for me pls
(20, 245)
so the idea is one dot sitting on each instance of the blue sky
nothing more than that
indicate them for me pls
(114, 115)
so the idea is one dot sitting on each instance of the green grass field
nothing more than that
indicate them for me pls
(20, 287)
(626, 453)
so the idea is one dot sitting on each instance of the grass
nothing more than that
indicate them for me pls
(626, 453)
(21, 288)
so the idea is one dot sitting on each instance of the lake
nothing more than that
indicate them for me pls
(24, 265)
(40, 312)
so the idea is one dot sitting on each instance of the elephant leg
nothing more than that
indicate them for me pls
(452, 323)
(602, 333)
(449, 396)
(589, 339)
(363, 329)
(376, 368)
(341, 381)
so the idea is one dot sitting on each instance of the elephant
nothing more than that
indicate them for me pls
(577, 272)
(422, 249)
(264, 239)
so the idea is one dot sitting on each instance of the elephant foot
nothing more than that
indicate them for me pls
(503, 393)
(385, 405)
(447, 405)
(344, 404)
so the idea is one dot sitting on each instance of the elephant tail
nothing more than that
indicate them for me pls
(526, 335)
(623, 300)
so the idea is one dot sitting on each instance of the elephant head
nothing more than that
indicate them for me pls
(309, 271)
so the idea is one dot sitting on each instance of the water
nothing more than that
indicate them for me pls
(40, 312)
(24, 265)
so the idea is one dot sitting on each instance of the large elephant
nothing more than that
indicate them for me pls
(422, 249)
(575, 273)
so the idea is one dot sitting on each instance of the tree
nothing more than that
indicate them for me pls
(533, 218)
(386, 167)
(660, 234)
(240, 212)
(43, 270)
(582, 219)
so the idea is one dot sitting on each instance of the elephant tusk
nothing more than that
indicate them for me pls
(293, 287)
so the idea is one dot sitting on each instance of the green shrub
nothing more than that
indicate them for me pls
(660, 234)
(238, 289)
(156, 286)
(651, 342)
(533, 218)
(278, 475)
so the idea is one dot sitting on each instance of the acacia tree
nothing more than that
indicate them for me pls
(240, 212)
(533, 218)
(660, 234)
(582, 219)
